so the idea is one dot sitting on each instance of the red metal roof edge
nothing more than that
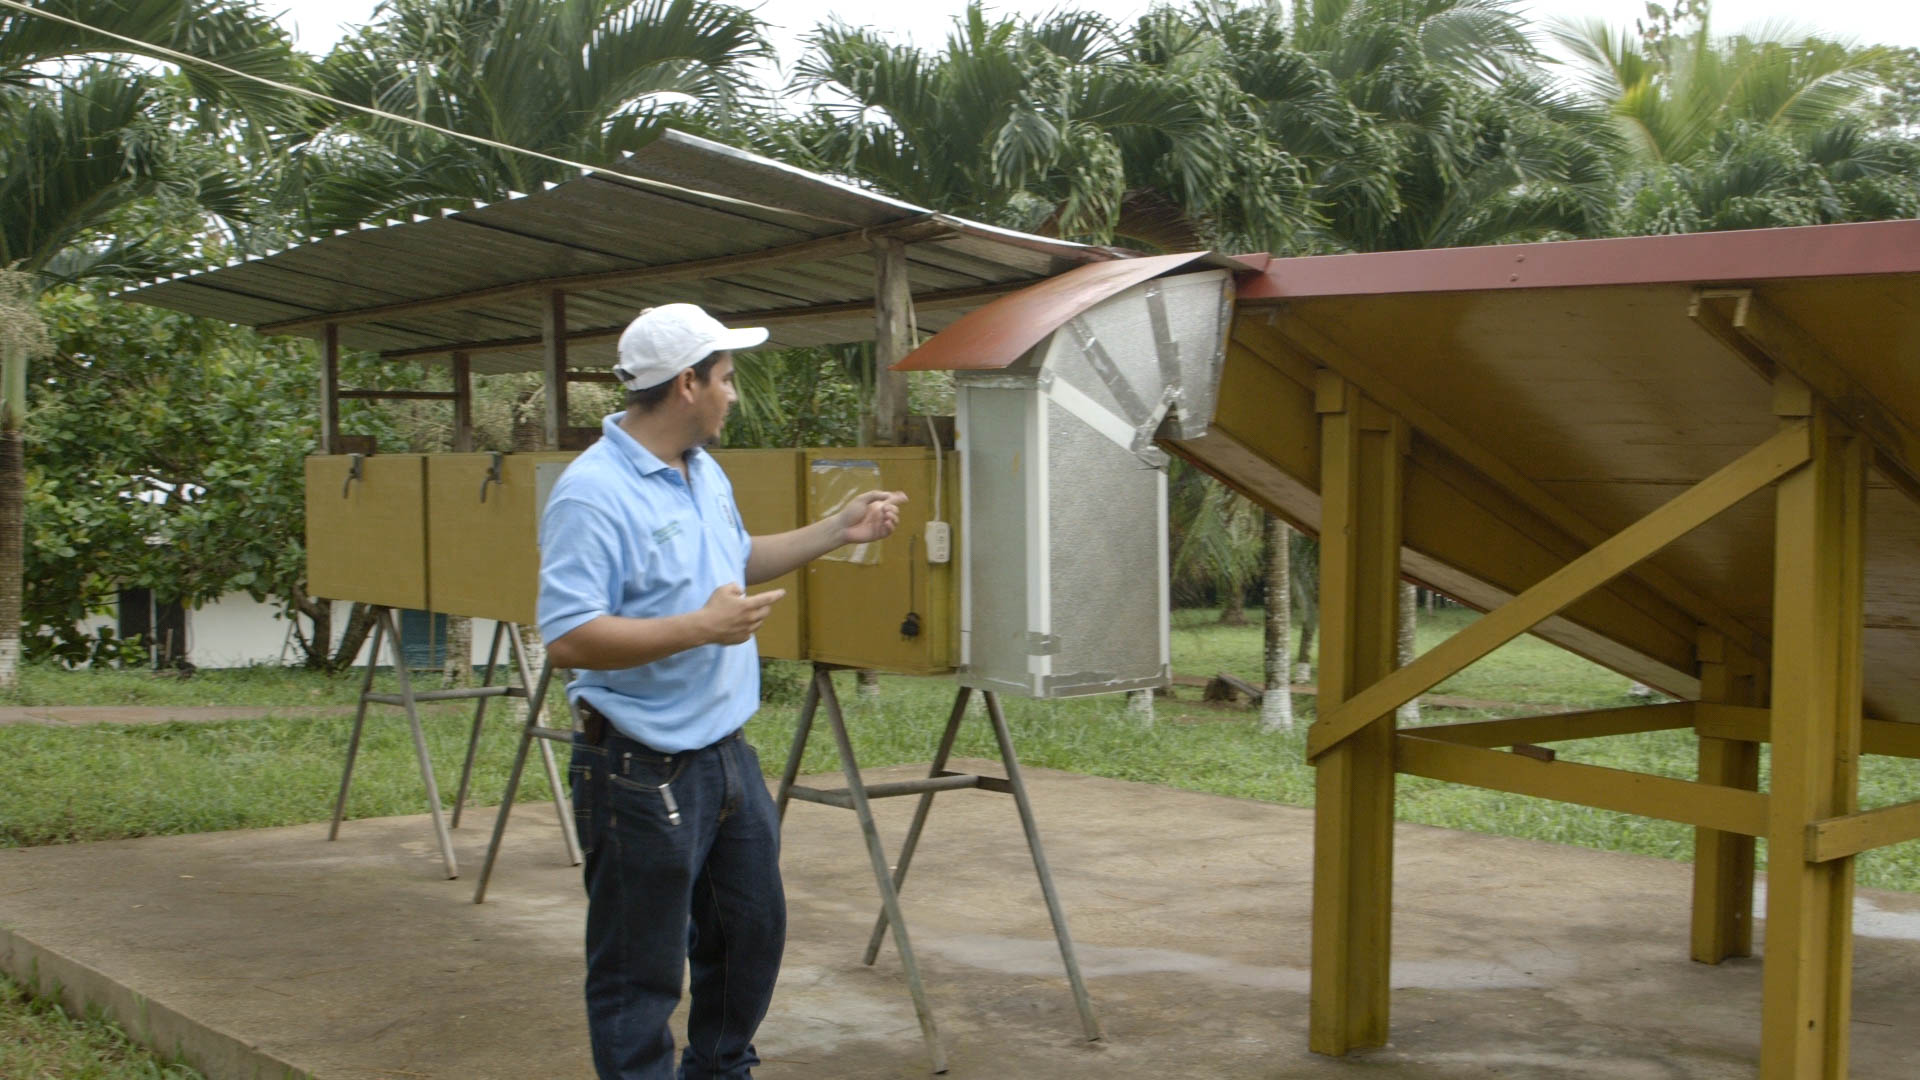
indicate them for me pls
(1000, 332)
(1813, 251)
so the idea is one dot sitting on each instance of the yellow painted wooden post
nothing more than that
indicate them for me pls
(1817, 621)
(1723, 861)
(1353, 801)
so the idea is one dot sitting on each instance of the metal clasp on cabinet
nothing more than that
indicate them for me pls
(353, 473)
(493, 475)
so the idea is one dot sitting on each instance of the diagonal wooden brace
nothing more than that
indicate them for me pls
(1754, 470)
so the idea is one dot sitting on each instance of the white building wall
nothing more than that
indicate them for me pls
(238, 631)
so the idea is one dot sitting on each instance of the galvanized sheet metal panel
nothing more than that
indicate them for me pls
(704, 165)
(600, 223)
(1106, 607)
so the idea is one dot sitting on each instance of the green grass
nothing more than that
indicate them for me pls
(182, 778)
(39, 1040)
(261, 685)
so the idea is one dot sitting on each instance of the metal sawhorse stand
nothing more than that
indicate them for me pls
(384, 630)
(856, 795)
(546, 736)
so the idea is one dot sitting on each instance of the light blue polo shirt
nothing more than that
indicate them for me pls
(624, 534)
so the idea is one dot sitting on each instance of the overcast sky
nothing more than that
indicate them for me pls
(317, 24)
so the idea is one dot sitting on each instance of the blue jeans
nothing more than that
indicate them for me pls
(682, 866)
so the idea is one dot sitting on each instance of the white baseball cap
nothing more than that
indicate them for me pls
(667, 340)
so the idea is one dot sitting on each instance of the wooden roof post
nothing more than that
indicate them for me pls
(892, 339)
(1818, 621)
(1723, 861)
(462, 403)
(553, 336)
(329, 387)
(1360, 489)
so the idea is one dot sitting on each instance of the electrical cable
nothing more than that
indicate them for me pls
(595, 170)
(939, 467)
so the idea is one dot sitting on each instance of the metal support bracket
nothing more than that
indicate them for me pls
(353, 473)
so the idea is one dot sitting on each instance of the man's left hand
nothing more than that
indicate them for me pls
(871, 516)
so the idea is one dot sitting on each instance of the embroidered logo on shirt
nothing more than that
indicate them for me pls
(726, 514)
(666, 532)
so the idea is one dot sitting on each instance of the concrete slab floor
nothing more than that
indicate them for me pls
(273, 952)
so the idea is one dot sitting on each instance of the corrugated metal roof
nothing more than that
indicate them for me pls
(753, 240)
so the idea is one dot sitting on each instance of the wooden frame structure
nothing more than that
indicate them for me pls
(1376, 468)
(1810, 818)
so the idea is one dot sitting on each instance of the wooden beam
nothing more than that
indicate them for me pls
(1818, 619)
(1723, 862)
(893, 336)
(1753, 327)
(397, 395)
(1891, 738)
(1362, 454)
(839, 245)
(1752, 471)
(1851, 834)
(1727, 809)
(462, 404)
(772, 317)
(1559, 727)
(329, 387)
(1308, 339)
(554, 337)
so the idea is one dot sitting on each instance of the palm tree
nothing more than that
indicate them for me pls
(1466, 141)
(581, 80)
(1746, 132)
(86, 139)
(1058, 124)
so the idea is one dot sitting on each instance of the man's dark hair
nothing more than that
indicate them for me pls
(645, 400)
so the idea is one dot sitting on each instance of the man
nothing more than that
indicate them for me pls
(644, 564)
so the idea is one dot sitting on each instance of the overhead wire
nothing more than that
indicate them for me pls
(659, 186)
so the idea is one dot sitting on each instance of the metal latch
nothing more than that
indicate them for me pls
(353, 473)
(493, 475)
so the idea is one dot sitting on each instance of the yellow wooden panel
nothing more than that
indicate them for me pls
(367, 539)
(768, 490)
(483, 554)
(855, 609)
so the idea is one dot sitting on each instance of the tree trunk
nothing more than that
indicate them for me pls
(1140, 707)
(320, 612)
(459, 669)
(1408, 714)
(12, 547)
(359, 625)
(1233, 604)
(1303, 656)
(1276, 705)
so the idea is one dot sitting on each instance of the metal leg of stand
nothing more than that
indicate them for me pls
(801, 729)
(920, 812)
(536, 708)
(889, 900)
(1054, 910)
(420, 745)
(527, 737)
(473, 737)
(359, 721)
